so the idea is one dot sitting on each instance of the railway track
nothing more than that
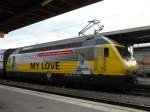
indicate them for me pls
(133, 100)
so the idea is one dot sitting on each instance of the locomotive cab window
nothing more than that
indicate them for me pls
(106, 52)
(124, 52)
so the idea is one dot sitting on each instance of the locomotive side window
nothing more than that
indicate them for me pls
(106, 52)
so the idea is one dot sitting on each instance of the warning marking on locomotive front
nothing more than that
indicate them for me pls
(45, 65)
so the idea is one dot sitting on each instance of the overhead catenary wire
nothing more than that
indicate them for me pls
(83, 22)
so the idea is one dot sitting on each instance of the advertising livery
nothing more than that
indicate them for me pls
(95, 60)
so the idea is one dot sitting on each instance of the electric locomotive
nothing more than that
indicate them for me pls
(95, 60)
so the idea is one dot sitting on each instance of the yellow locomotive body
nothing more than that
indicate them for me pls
(98, 58)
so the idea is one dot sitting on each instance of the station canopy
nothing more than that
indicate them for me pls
(128, 36)
(15, 14)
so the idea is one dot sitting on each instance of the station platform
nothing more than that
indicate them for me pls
(21, 100)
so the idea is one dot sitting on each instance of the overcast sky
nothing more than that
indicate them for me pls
(113, 14)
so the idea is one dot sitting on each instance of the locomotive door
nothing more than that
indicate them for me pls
(14, 63)
(106, 56)
(101, 66)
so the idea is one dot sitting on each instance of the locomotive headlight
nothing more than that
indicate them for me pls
(127, 67)
(135, 66)
(131, 67)
(128, 70)
(133, 63)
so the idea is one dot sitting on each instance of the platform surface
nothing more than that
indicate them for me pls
(21, 100)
